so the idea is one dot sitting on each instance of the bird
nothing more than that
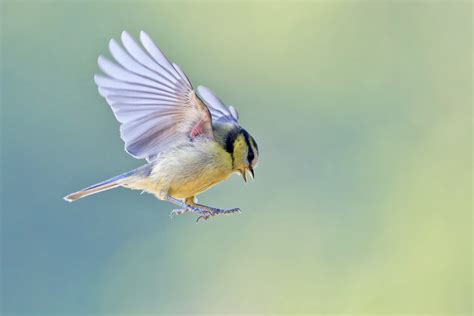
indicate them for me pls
(189, 138)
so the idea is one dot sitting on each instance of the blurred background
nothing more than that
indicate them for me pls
(362, 197)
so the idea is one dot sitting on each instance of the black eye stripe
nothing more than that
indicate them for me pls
(254, 144)
(250, 154)
(230, 140)
(251, 145)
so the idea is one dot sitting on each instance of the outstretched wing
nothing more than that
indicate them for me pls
(219, 111)
(151, 97)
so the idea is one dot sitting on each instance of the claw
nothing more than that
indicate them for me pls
(232, 211)
(203, 211)
(202, 217)
(177, 212)
(205, 216)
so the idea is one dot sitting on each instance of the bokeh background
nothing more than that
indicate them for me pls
(362, 198)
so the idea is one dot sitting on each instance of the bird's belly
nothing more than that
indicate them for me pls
(183, 188)
(191, 170)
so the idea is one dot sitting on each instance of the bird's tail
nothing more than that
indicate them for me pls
(106, 185)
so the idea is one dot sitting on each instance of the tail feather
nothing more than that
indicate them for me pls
(85, 192)
(101, 186)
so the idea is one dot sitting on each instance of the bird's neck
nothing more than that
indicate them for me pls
(225, 135)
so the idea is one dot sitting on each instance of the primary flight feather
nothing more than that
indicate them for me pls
(190, 139)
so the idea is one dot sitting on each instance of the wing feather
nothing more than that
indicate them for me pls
(157, 55)
(143, 58)
(152, 98)
(143, 101)
(183, 75)
(219, 111)
(133, 66)
(135, 94)
(107, 82)
(119, 73)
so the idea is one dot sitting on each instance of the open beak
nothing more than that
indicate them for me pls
(244, 173)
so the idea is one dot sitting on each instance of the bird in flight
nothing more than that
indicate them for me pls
(190, 139)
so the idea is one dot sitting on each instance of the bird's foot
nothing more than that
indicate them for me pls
(215, 211)
(204, 212)
(178, 211)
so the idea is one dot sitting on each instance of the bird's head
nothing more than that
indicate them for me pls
(244, 153)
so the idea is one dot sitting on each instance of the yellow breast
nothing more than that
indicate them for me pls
(188, 170)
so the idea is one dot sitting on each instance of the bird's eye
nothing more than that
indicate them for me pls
(250, 156)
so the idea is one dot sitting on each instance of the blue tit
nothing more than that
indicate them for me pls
(190, 139)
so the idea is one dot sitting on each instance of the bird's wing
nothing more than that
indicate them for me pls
(219, 111)
(151, 98)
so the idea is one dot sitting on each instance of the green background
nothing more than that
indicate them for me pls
(362, 198)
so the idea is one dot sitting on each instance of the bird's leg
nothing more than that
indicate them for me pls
(178, 211)
(188, 201)
(212, 211)
(186, 206)
(190, 205)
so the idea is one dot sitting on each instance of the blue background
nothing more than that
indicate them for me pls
(362, 201)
